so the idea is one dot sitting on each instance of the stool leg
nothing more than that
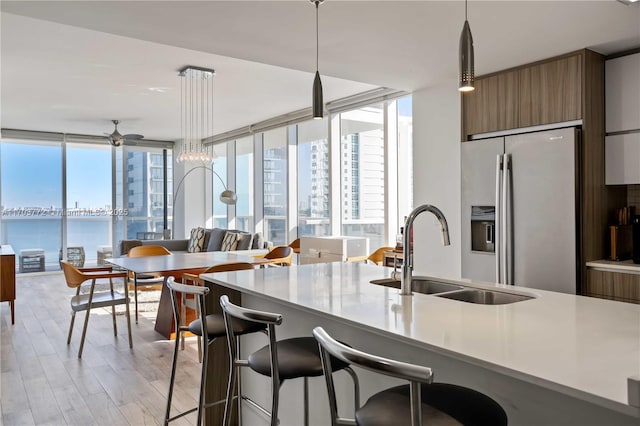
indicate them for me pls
(306, 401)
(274, 401)
(174, 362)
(356, 386)
(203, 377)
(228, 406)
(13, 318)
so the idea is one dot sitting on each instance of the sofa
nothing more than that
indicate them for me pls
(204, 239)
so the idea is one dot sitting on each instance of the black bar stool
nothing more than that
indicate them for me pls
(287, 359)
(436, 403)
(213, 327)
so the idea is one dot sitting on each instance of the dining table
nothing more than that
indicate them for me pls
(174, 265)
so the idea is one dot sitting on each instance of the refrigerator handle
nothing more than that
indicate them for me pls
(498, 225)
(508, 221)
(504, 250)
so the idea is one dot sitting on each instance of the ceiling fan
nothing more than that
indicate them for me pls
(116, 138)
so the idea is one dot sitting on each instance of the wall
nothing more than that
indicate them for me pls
(436, 177)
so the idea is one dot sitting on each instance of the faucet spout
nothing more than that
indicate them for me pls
(407, 256)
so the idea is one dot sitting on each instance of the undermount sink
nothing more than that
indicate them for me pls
(484, 297)
(419, 285)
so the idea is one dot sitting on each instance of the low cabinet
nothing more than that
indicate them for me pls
(8, 278)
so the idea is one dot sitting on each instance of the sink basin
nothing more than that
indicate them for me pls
(423, 286)
(485, 297)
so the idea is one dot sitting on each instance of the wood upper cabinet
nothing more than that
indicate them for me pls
(493, 104)
(541, 93)
(551, 92)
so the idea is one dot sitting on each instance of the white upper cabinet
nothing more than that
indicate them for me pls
(623, 93)
(622, 98)
(622, 159)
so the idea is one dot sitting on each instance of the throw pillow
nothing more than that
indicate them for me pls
(244, 241)
(230, 241)
(258, 241)
(215, 239)
(196, 242)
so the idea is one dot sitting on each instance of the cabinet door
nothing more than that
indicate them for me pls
(613, 285)
(492, 105)
(623, 93)
(622, 157)
(551, 92)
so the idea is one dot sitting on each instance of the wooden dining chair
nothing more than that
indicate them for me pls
(85, 301)
(376, 257)
(139, 280)
(295, 245)
(279, 256)
(191, 302)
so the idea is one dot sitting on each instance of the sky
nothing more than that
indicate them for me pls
(31, 175)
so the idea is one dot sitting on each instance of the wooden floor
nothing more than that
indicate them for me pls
(44, 382)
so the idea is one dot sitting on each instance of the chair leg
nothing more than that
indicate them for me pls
(84, 331)
(128, 314)
(172, 379)
(113, 311)
(135, 294)
(73, 318)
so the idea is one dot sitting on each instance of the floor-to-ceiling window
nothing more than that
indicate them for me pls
(220, 167)
(89, 197)
(58, 191)
(352, 177)
(244, 184)
(275, 185)
(313, 179)
(362, 171)
(31, 191)
(143, 196)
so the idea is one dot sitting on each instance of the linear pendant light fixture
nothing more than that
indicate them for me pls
(318, 104)
(465, 80)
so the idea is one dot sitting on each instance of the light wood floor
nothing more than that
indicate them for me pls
(44, 382)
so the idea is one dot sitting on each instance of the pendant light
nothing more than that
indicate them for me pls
(318, 104)
(465, 81)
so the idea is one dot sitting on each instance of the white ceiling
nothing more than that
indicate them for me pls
(74, 65)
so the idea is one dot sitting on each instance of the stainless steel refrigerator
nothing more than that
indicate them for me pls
(519, 209)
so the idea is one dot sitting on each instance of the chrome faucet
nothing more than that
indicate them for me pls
(407, 256)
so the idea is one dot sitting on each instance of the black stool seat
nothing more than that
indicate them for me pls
(215, 326)
(297, 357)
(442, 404)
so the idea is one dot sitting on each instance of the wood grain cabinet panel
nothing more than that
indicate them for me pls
(613, 285)
(493, 104)
(551, 92)
(540, 93)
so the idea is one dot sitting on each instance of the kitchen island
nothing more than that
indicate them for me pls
(552, 359)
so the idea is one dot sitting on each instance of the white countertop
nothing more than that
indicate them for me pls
(581, 346)
(615, 266)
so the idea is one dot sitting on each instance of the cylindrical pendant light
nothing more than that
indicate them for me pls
(317, 102)
(465, 80)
